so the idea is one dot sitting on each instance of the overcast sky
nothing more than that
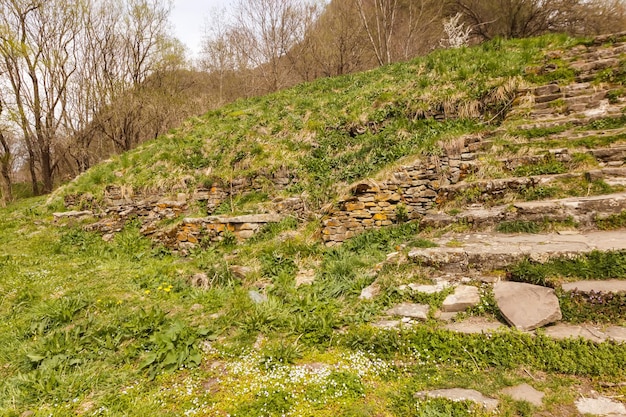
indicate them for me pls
(188, 19)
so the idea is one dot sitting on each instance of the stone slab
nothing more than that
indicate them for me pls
(370, 292)
(464, 296)
(601, 406)
(490, 251)
(526, 306)
(616, 333)
(415, 311)
(525, 392)
(476, 325)
(387, 324)
(605, 286)
(562, 331)
(461, 394)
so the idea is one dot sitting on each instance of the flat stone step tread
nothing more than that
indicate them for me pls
(611, 175)
(495, 251)
(476, 325)
(575, 119)
(581, 209)
(596, 286)
(601, 406)
(461, 394)
(589, 332)
(583, 134)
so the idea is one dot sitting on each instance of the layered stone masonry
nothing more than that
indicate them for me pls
(123, 203)
(409, 194)
(215, 228)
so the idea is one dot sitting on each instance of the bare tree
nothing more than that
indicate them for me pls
(38, 44)
(523, 18)
(6, 163)
(338, 42)
(269, 30)
(378, 18)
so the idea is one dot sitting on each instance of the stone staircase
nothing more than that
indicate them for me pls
(587, 162)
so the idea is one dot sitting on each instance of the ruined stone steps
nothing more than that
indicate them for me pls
(583, 134)
(464, 253)
(574, 120)
(491, 188)
(581, 211)
(613, 156)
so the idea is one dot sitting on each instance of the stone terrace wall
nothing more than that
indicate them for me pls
(411, 192)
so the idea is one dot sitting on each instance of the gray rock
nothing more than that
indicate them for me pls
(525, 392)
(527, 306)
(199, 280)
(257, 297)
(606, 286)
(370, 292)
(240, 272)
(569, 331)
(416, 311)
(460, 394)
(464, 296)
(601, 406)
(428, 289)
(616, 333)
(475, 325)
(72, 215)
(387, 324)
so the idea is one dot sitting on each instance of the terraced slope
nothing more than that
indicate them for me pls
(441, 237)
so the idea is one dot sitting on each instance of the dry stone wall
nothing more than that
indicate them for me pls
(409, 194)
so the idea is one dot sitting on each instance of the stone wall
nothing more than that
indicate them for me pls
(410, 193)
(214, 228)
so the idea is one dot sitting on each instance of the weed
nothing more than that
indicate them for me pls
(579, 307)
(612, 222)
(546, 167)
(595, 265)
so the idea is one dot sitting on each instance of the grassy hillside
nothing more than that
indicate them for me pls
(113, 328)
(337, 130)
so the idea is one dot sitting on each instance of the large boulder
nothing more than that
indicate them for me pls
(526, 306)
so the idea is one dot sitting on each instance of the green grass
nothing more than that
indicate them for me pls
(115, 328)
(332, 131)
(612, 222)
(595, 265)
(533, 227)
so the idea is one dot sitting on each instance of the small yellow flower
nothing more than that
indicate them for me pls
(147, 291)
(119, 302)
(160, 288)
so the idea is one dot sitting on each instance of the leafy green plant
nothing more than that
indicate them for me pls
(579, 307)
(173, 347)
(548, 166)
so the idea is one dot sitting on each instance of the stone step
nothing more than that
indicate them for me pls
(582, 210)
(575, 119)
(583, 134)
(596, 286)
(490, 188)
(495, 251)
(613, 154)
